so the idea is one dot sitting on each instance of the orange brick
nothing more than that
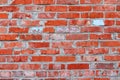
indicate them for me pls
(41, 59)
(44, 1)
(65, 59)
(16, 2)
(3, 16)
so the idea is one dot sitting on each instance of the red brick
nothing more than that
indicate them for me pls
(84, 15)
(96, 15)
(30, 66)
(53, 74)
(118, 22)
(5, 74)
(30, 37)
(90, 58)
(68, 15)
(109, 22)
(27, 51)
(56, 23)
(39, 44)
(43, 1)
(56, 66)
(87, 43)
(29, 74)
(107, 73)
(13, 44)
(101, 78)
(90, 1)
(41, 73)
(2, 58)
(16, 2)
(17, 74)
(3, 16)
(114, 50)
(110, 1)
(46, 15)
(3, 30)
(112, 58)
(80, 8)
(62, 44)
(12, 23)
(104, 8)
(34, 8)
(78, 22)
(4, 22)
(18, 30)
(49, 30)
(41, 59)
(3, 1)
(91, 29)
(104, 66)
(118, 36)
(55, 79)
(100, 36)
(78, 66)
(21, 15)
(98, 51)
(50, 51)
(110, 44)
(17, 58)
(5, 51)
(84, 79)
(17, 52)
(112, 29)
(30, 23)
(67, 1)
(118, 8)
(74, 51)
(112, 15)
(56, 8)
(65, 74)
(76, 37)
(9, 8)
(8, 66)
(65, 59)
(24, 51)
(8, 22)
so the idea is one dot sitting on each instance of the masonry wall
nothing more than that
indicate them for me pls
(59, 39)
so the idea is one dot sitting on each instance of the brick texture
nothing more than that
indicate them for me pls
(59, 39)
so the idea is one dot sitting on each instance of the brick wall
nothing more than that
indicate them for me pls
(59, 40)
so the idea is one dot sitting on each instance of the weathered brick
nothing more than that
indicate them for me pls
(8, 37)
(80, 8)
(67, 1)
(30, 37)
(56, 8)
(38, 44)
(30, 66)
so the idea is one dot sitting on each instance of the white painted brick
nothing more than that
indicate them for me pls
(98, 22)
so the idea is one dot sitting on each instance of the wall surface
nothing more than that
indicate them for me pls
(59, 39)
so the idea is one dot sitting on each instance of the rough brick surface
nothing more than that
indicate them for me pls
(59, 39)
